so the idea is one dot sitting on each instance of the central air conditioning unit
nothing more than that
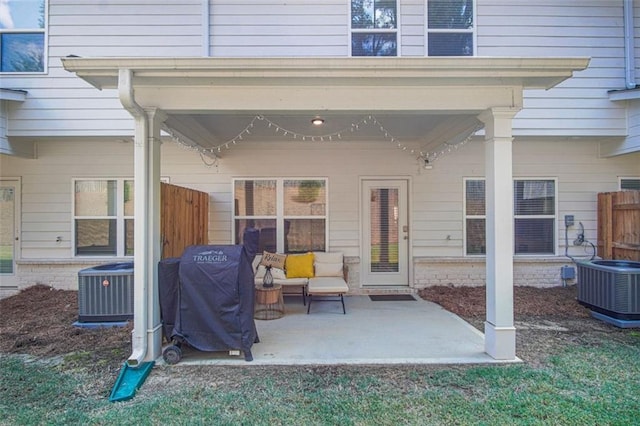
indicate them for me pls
(105, 293)
(610, 287)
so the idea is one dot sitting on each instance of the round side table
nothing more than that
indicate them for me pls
(269, 303)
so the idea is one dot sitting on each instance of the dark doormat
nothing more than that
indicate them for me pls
(390, 297)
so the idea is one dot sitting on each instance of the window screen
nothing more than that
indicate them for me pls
(22, 36)
(450, 27)
(103, 217)
(291, 214)
(534, 209)
(374, 26)
(629, 184)
(475, 217)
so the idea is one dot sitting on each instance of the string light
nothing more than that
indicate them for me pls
(187, 144)
(428, 158)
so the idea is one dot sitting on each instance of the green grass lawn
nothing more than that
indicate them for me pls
(582, 385)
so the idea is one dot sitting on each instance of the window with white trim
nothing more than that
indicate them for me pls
(374, 28)
(290, 213)
(103, 218)
(450, 28)
(534, 212)
(23, 26)
(474, 207)
(629, 183)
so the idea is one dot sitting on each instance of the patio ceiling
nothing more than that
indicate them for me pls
(424, 102)
(213, 131)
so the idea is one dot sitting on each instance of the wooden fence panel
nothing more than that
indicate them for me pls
(619, 225)
(184, 217)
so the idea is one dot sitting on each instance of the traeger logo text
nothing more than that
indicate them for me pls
(212, 256)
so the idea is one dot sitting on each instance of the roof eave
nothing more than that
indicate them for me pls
(502, 71)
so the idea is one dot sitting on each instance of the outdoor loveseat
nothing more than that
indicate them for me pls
(314, 274)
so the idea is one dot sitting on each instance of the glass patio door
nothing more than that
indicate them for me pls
(9, 203)
(385, 233)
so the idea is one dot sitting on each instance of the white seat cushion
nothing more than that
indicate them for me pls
(327, 285)
(291, 281)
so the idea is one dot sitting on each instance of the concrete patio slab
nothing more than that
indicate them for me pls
(381, 332)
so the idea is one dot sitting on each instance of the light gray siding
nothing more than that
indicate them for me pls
(436, 194)
(634, 125)
(579, 106)
(124, 28)
(81, 132)
(275, 28)
(412, 27)
(58, 104)
(47, 191)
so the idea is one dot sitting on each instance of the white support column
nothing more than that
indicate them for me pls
(147, 332)
(500, 333)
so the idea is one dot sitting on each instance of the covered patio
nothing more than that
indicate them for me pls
(425, 100)
(368, 334)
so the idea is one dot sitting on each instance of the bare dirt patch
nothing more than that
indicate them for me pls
(38, 322)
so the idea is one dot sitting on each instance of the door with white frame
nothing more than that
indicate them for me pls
(385, 233)
(9, 232)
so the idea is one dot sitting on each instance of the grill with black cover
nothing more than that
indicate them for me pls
(215, 299)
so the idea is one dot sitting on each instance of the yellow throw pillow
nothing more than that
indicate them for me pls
(299, 265)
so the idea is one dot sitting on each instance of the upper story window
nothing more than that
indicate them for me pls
(22, 36)
(374, 28)
(450, 27)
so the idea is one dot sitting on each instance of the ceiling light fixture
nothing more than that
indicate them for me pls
(317, 121)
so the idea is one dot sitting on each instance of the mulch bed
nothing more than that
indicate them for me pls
(39, 321)
(470, 302)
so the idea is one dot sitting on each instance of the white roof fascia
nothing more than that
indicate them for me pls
(13, 95)
(540, 73)
(624, 95)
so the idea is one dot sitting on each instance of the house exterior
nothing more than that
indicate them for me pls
(455, 137)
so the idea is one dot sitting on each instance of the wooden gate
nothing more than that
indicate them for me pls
(184, 219)
(619, 225)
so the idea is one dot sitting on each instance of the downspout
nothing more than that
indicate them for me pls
(139, 342)
(629, 56)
